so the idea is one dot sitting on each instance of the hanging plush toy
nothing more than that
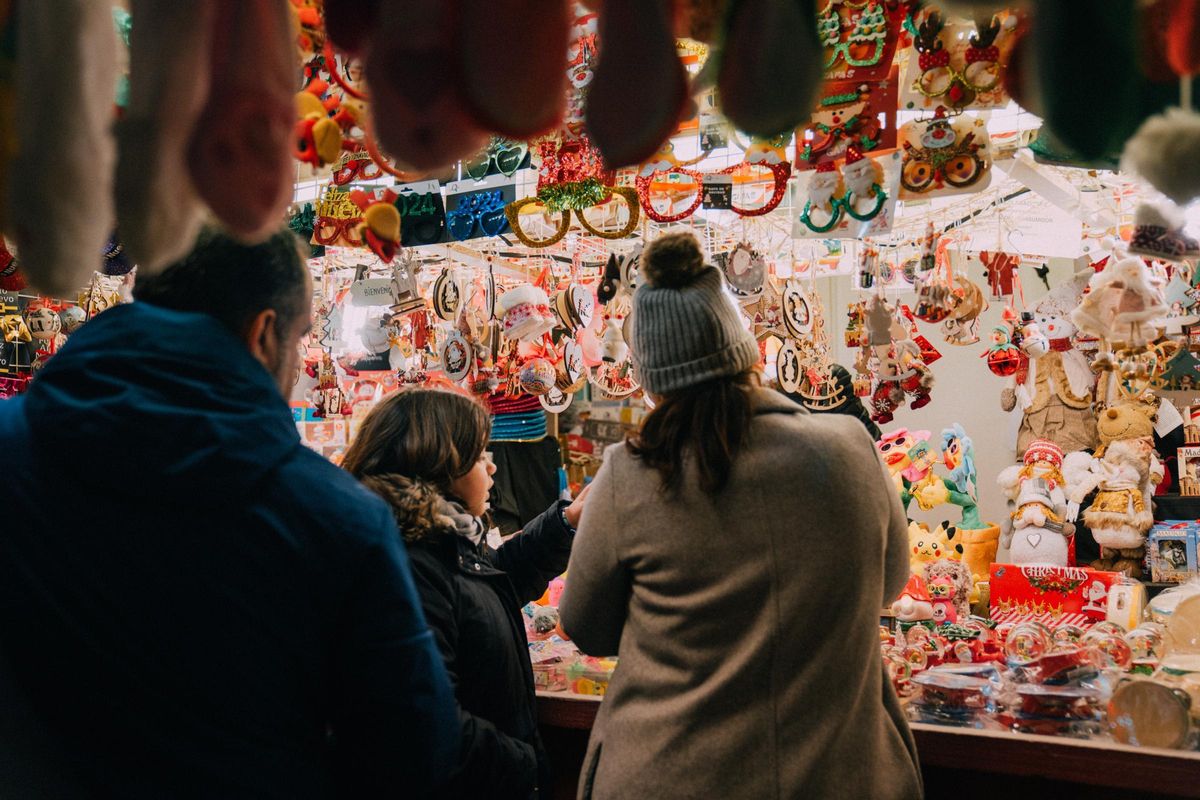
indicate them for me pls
(1053, 388)
(411, 63)
(1125, 470)
(639, 90)
(59, 180)
(1124, 304)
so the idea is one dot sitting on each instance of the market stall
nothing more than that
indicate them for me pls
(940, 243)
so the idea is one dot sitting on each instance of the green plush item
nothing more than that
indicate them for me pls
(1088, 72)
(1047, 149)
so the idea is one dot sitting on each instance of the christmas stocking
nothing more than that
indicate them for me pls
(771, 65)
(157, 207)
(59, 183)
(518, 90)
(416, 112)
(240, 153)
(640, 88)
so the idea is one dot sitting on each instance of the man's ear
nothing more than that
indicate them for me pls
(262, 339)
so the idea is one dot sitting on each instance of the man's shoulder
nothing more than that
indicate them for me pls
(315, 487)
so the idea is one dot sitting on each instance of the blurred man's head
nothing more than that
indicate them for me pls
(262, 293)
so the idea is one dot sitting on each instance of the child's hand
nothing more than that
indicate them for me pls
(574, 511)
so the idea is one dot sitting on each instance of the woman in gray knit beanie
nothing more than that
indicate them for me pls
(736, 551)
(696, 358)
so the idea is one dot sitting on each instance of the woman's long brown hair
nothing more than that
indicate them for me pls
(709, 421)
(430, 435)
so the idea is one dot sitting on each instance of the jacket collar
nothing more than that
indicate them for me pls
(768, 401)
(461, 553)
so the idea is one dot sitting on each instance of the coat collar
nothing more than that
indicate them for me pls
(768, 401)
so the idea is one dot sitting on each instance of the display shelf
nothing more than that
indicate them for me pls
(1037, 763)
(1176, 506)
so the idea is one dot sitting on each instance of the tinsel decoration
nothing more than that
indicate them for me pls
(576, 195)
(301, 221)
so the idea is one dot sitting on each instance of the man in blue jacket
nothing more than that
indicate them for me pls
(193, 603)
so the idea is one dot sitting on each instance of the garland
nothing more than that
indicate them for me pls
(576, 195)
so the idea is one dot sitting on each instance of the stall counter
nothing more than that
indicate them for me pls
(955, 762)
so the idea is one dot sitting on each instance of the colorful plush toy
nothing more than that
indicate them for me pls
(959, 576)
(929, 546)
(1039, 526)
(239, 157)
(913, 606)
(941, 592)
(1125, 470)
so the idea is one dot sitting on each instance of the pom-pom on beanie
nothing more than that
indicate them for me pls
(686, 325)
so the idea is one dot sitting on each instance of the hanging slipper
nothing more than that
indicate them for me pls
(349, 23)
(771, 65)
(640, 89)
(59, 208)
(243, 137)
(418, 117)
(157, 207)
(518, 88)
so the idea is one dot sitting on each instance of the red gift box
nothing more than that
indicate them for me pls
(1058, 594)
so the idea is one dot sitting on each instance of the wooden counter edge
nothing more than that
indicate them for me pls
(1095, 763)
(998, 752)
(566, 710)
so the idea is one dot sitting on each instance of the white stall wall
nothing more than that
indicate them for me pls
(965, 391)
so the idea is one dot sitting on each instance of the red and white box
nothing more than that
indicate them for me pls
(1064, 595)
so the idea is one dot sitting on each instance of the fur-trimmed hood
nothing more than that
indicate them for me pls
(421, 511)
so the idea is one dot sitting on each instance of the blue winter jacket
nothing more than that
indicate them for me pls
(196, 605)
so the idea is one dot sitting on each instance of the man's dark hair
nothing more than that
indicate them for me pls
(234, 282)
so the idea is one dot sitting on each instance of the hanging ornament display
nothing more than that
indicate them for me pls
(446, 295)
(894, 358)
(848, 114)
(967, 302)
(856, 199)
(944, 156)
(745, 269)
(859, 39)
(957, 64)
(456, 356)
